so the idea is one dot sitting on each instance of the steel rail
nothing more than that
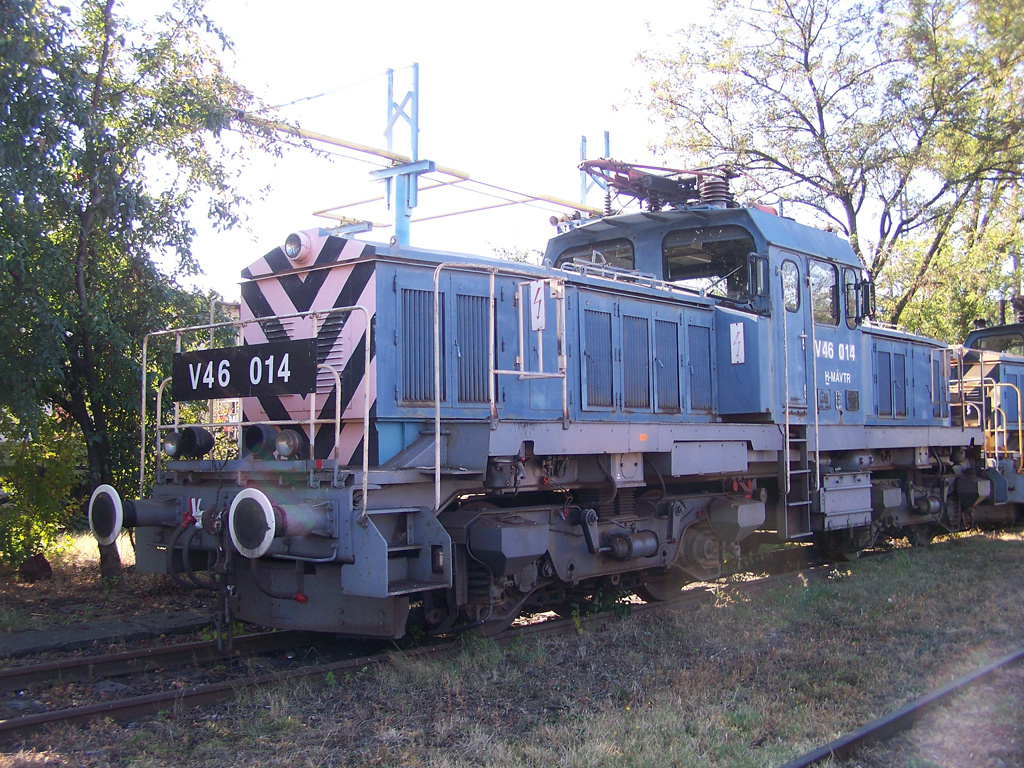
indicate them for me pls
(194, 696)
(903, 717)
(140, 660)
(201, 695)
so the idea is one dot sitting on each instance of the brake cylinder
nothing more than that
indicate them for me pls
(633, 546)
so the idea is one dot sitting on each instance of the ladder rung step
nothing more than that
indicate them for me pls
(446, 470)
(403, 550)
(791, 504)
(406, 586)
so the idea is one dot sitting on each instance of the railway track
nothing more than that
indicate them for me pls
(904, 717)
(131, 662)
(199, 653)
(141, 660)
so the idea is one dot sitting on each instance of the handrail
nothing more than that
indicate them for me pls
(814, 395)
(240, 423)
(988, 387)
(240, 325)
(586, 268)
(964, 405)
(980, 381)
(786, 406)
(492, 270)
(941, 373)
(621, 275)
(337, 422)
(997, 411)
(995, 386)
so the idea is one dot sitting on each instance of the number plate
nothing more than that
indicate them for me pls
(278, 368)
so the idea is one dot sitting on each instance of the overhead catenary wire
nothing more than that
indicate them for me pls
(353, 158)
(333, 91)
(520, 198)
(458, 177)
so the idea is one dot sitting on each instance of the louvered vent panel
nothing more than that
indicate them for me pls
(666, 365)
(699, 339)
(899, 384)
(883, 367)
(636, 363)
(1009, 397)
(472, 348)
(598, 355)
(285, 328)
(940, 389)
(417, 331)
(330, 348)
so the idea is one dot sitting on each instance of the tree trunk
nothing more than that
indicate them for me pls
(99, 449)
(110, 558)
(99, 472)
(110, 562)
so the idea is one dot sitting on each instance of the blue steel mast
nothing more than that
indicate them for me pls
(406, 175)
(588, 182)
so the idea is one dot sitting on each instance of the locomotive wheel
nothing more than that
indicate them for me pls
(439, 620)
(502, 615)
(842, 546)
(664, 585)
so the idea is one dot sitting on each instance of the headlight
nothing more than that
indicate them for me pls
(171, 445)
(290, 444)
(190, 443)
(259, 440)
(196, 442)
(298, 248)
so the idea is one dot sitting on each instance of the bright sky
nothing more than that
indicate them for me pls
(506, 92)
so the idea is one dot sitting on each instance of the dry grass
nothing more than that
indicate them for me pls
(747, 682)
(76, 593)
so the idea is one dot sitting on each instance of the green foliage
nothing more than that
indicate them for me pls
(109, 131)
(39, 478)
(899, 125)
(519, 255)
(951, 294)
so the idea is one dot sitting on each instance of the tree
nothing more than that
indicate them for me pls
(898, 123)
(108, 132)
(38, 483)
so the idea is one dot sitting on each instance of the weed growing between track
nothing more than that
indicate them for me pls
(746, 682)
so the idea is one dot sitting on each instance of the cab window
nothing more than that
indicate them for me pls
(791, 285)
(850, 294)
(709, 259)
(1011, 343)
(824, 293)
(613, 253)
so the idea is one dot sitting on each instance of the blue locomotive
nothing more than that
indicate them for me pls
(408, 435)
